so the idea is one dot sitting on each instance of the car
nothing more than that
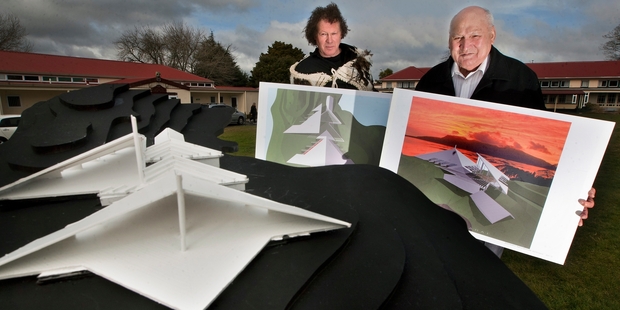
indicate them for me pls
(8, 125)
(237, 117)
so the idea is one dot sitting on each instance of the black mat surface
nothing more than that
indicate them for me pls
(402, 252)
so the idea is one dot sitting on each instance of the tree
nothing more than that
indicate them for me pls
(274, 65)
(13, 35)
(183, 43)
(611, 48)
(385, 73)
(185, 48)
(216, 62)
(175, 45)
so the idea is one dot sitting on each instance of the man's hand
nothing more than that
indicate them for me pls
(587, 204)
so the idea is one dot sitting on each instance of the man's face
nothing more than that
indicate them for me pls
(470, 41)
(328, 38)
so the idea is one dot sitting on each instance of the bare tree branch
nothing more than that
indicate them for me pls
(611, 48)
(13, 35)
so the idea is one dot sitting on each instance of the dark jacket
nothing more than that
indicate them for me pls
(506, 81)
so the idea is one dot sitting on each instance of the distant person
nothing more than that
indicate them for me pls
(333, 63)
(253, 113)
(477, 70)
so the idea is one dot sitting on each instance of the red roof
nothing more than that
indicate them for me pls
(544, 70)
(42, 64)
(409, 73)
(576, 69)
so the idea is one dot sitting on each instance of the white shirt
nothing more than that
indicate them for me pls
(464, 86)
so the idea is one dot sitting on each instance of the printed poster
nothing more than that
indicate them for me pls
(306, 126)
(513, 174)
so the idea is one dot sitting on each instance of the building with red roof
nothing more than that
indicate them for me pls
(565, 85)
(27, 78)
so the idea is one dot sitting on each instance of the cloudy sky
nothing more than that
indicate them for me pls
(400, 33)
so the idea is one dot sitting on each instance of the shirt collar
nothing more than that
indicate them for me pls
(482, 68)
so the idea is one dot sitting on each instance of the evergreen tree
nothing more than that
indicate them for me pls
(216, 62)
(274, 65)
(385, 73)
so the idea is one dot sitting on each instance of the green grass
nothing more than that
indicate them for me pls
(590, 277)
(244, 135)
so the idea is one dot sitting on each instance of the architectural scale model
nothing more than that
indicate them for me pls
(177, 230)
(325, 151)
(473, 178)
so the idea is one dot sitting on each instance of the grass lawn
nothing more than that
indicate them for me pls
(590, 277)
(244, 135)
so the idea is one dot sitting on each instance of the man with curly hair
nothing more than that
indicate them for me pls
(333, 63)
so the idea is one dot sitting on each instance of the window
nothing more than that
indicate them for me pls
(544, 84)
(49, 79)
(64, 79)
(608, 83)
(600, 98)
(92, 81)
(77, 80)
(388, 85)
(212, 99)
(551, 99)
(611, 98)
(14, 77)
(574, 99)
(585, 83)
(221, 99)
(555, 83)
(562, 99)
(2, 76)
(10, 122)
(199, 84)
(564, 83)
(233, 102)
(399, 84)
(31, 78)
(586, 97)
(13, 101)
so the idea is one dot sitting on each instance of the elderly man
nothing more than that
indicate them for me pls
(477, 70)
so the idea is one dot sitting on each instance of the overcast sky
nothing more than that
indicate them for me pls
(400, 33)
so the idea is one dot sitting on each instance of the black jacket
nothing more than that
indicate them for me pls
(506, 81)
(315, 63)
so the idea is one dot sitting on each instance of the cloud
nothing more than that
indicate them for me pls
(538, 147)
(399, 33)
(493, 138)
(517, 146)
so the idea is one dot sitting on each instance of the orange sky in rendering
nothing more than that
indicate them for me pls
(540, 137)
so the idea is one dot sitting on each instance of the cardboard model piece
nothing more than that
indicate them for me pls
(177, 232)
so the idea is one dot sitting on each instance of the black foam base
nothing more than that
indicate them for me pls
(402, 251)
